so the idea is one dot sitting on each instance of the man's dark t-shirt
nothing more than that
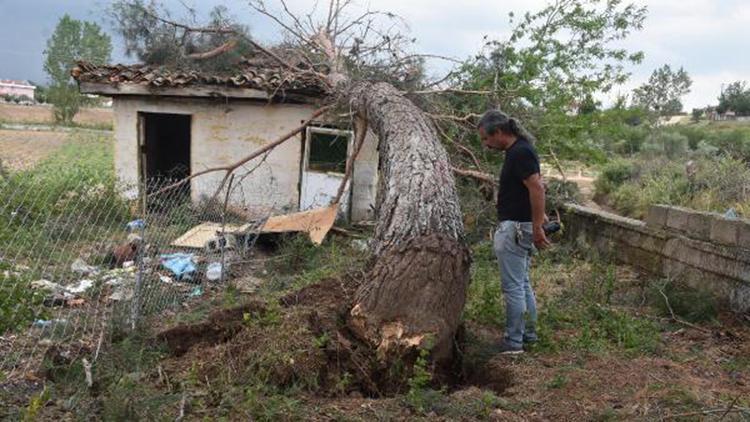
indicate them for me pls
(521, 162)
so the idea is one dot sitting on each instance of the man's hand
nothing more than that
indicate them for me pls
(540, 239)
(536, 197)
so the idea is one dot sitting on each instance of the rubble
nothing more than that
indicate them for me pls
(81, 267)
(81, 287)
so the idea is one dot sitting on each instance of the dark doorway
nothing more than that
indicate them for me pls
(165, 149)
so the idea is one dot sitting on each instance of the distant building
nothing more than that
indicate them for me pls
(16, 88)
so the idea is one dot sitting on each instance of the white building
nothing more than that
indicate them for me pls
(16, 88)
(171, 124)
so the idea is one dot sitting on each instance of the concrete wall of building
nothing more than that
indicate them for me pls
(704, 250)
(365, 180)
(17, 90)
(225, 131)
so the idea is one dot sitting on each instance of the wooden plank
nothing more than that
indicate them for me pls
(198, 236)
(316, 223)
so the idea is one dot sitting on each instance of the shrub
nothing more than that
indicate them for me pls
(613, 175)
(688, 303)
(19, 303)
(735, 143)
(672, 144)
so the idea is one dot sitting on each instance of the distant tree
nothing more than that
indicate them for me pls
(72, 40)
(589, 105)
(697, 114)
(736, 97)
(41, 93)
(663, 91)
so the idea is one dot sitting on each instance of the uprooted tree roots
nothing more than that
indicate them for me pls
(304, 341)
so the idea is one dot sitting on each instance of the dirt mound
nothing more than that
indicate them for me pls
(221, 326)
(302, 341)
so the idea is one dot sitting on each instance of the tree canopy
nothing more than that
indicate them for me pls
(550, 68)
(154, 37)
(664, 90)
(72, 40)
(735, 97)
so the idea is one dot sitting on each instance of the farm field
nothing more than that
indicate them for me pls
(42, 114)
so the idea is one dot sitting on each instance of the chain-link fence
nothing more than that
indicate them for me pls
(81, 264)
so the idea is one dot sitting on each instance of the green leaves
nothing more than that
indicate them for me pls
(72, 40)
(663, 91)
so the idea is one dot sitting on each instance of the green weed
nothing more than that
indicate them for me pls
(688, 303)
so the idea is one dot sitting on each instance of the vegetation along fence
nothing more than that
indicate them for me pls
(81, 265)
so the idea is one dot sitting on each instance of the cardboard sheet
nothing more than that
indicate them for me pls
(316, 223)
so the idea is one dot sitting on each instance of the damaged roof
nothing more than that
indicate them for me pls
(275, 81)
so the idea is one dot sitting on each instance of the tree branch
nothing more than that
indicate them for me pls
(478, 175)
(227, 46)
(359, 139)
(232, 167)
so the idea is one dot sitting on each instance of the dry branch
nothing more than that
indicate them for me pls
(483, 177)
(227, 46)
(359, 137)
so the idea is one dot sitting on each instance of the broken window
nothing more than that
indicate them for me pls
(328, 150)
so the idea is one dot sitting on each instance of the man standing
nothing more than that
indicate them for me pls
(520, 212)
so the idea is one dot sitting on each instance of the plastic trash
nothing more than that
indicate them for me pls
(731, 214)
(134, 225)
(213, 271)
(81, 287)
(360, 244)
(79, 266)
(197, 291)
(47, 285)
(166, 279)
(47, 323)
(180, 264)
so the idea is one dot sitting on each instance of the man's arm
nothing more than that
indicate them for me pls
(536, 196)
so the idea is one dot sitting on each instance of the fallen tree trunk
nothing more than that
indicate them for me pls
(416, 288)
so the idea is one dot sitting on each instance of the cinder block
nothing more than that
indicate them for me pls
(739, 298)
(725, 231)
(744, 235)
(678, 219)
(657, 216)
(699, 224)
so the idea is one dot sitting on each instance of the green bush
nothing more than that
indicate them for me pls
(735, 143)
(688, 303)
(613, 175)
(19, 303)
(669, 143)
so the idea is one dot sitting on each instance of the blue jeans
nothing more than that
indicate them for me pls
(513, 246)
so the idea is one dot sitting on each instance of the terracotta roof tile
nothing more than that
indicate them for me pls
(273, 79)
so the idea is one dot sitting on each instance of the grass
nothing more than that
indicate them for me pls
(49, 215)
(576, 317)
(298, 263)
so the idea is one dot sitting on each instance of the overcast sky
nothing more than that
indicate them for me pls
(708, 37)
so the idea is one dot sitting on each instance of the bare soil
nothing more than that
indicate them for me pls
(696, 374)
(22, 149)
(42, 114)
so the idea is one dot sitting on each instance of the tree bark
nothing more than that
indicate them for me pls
(416, 289)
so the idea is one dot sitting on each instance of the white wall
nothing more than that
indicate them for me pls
(223, 132)
(365, 180)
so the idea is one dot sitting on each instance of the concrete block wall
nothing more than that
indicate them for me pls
(707, 226)
(705, 250)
